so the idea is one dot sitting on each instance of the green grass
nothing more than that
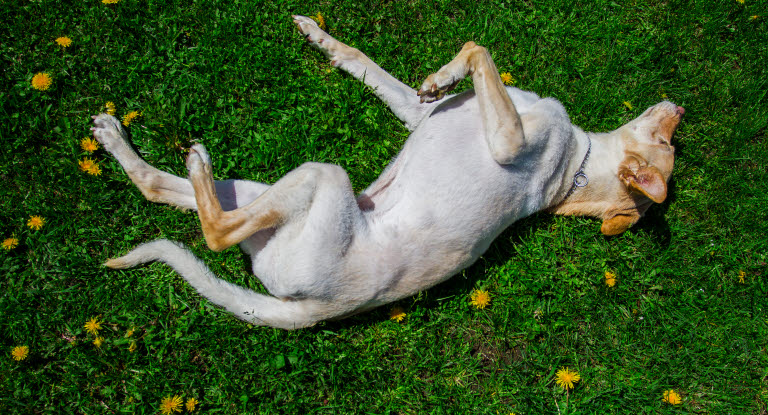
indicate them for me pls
(236, 76)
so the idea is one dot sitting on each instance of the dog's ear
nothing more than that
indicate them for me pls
(637, 176)
(618, 223)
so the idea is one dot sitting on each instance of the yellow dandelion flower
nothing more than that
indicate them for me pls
(566, 378)
(191, 404)
(742, 274)
(610, 279)
(753, 17)
(41, 81)
(479, 298)
(507, 78)
(109, 1)
(130, 332)
(671, 397)
(397, 314)
(110, 106)
(130, 117)
(320, 20)
(628, 105)
(36, 222)
(20, 353)
(740, 1)
(86, 164)
(92, 326)
(664, 95)
(64, 41)
(170, 405)
(98, 341)
(94, 170)
(89, 144)
(10, 243)
(132, 348)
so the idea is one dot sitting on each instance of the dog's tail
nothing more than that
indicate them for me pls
(246, 304)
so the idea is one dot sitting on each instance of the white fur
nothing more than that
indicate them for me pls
(433, 211)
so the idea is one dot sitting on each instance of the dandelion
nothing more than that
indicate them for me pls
(742, 274)
(610, 279)
(628, 105)
(10, 243)
(320, 20)
(170, 405)
(132, 348)
(98, 341)
(20, 353)
(64, 41)
(130, 332)
(94, 170)
(89, 166)
(740, 1)
(130, 117)
(479, 298)
(41, 81)
(191, 403)
(109, 1)
(753, 17)
(93, 326)
(36, 222)
(671, 397)
(664, 95)
(110, 106)
(566, 378)
(89, 144)
(397, 314)
(507, 78)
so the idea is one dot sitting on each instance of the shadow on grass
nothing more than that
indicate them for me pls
(501, 251)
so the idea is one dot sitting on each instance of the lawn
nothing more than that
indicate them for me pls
(688, 312)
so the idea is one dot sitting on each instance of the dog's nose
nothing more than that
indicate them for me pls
(680, 110)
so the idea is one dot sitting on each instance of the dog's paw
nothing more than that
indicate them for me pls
(198, 160)
(437, 85)
(311, 31)
(107, 131)
(334, 50)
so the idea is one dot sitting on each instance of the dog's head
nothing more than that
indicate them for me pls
(631, 173)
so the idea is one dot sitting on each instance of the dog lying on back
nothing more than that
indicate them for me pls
(474, 163)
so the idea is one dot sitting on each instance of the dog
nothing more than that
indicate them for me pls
(475, 162)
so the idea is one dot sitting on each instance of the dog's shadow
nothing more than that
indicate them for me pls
(502, 250)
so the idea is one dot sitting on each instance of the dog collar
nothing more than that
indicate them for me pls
(580, 179)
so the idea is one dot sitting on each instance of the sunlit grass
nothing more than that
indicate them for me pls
(684, 309)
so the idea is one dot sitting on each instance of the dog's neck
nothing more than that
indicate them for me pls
(601, 168)
(581, 150)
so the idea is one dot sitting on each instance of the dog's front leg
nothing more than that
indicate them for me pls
(502, 124)
(400, 98)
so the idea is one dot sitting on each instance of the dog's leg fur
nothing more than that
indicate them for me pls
(244, 303)
(162, 187)
(400, 98)
(289, 198)
(503, 127)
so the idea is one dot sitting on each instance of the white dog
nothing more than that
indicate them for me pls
(474, 163)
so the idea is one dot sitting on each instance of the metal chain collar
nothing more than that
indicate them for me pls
(580, 179)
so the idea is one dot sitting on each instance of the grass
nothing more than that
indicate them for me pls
(236, 76)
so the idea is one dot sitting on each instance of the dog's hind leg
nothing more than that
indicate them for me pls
(246, 304)
(400, 98)
(502, 124)
(291, 198)
(159, 186)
